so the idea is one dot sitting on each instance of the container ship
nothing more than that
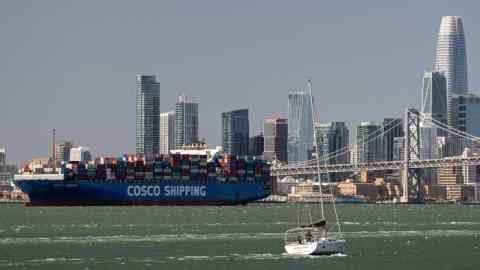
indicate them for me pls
(176, 179)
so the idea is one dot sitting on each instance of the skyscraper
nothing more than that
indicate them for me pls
(300, 126)
(255, 145)
(451, 59)
(369, 144)
(62, 150)
(148, 115)
(433, 105)
(235, 132)
(275, 132)
(466, 113)
(392, 128)
(167, 132)
(331, 139)
(428, 140)
(398, 145)
(434, 96)
(186, 122)
(3, 156)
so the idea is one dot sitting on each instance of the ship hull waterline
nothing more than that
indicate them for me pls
(321, 247)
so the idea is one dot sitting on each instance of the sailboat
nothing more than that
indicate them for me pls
(311, 237)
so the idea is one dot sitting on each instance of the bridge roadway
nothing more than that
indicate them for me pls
(311, 168)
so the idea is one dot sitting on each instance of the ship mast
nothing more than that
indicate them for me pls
(318, 165)
(317, 152)
(54, 158)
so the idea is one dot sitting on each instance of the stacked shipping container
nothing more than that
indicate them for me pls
(173, 167)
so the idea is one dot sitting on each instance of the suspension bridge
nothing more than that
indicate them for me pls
(420, 151)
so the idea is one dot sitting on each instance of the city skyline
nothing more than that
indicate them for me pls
(240, 134)
(225, 90)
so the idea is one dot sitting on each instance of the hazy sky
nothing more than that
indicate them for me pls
(72, 64)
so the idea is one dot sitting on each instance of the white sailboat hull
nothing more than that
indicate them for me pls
(325, 246)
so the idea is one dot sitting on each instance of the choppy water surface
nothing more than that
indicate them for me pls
(243, 237)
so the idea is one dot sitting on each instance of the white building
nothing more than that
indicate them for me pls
(80, 153)
(469, 172)
(167, 132)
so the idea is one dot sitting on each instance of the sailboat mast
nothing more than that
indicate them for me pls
(314, 116)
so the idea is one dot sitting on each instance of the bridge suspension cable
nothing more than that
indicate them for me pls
(379, 133)
(449, 129)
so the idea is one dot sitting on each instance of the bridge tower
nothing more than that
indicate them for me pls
(411, 182)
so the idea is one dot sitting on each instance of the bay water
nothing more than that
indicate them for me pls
(235, 237)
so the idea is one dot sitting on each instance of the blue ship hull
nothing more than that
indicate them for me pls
(140, 192)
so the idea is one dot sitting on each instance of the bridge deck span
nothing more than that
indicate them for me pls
(373, 166)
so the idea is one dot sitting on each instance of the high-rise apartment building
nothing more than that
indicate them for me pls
(148, 115)
(235, 132)
(167, 132)
(300, 126)
(255, 145)
(369, 143)
(186, 122)
(275, 132)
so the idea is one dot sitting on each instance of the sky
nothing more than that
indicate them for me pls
(71, 65)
